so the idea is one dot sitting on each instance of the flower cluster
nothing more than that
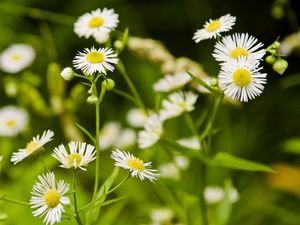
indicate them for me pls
(239, 56)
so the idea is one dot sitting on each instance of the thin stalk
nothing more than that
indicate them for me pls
(77, 217)
(131, 86)
(202, 188)
(97, 107)
(191, 125)
(14, 201)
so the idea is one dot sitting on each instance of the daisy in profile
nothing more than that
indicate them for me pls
(171, 82)
(13, 120)
(137, 117)
(33, 146)
(215, 194)
(94, 60)
(98, 22)
(78, 156)
(48, 198)
(177, 104)
(241, 80)
(153, 130)
(126, 139)
(16, 58)
(239, 45)
(213, 28)
(135, 165)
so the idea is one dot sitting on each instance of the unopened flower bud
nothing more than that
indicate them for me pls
(11, 89)
(92, 99)
(272, 51)
(108, 84)
(214, 82)
(67, 73)
(280, 65)
(276, 45)
(271, 59)
(118, 44)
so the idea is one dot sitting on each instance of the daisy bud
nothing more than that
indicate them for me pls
(276, 45)
(11, 89)
(67, 73)
(214, 82)
(108, 84)
(118, 44)
(280, 65)
(92, 99)
(271, 59)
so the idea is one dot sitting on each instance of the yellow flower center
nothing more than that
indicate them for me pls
(237, 52)
(52, 198)
(15, 57)
(31, 147)
(74, 157)
(136, 164)
(241, 77)
(96, 22)
(10, 123)
(95, 57)
(213, 26)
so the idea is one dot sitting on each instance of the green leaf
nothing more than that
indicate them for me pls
(111, 214)
(291, 146)
(86, 132)
(92, 215)
(56, 85)
(181, 149)
(230, 161)
(126, 95)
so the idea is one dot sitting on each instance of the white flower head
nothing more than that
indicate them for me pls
(48, 198)
(13, 120)
(213, 28)
(239, 45)
(137, 117)
(16, 58)
(126, 139)
(80, 155)
(135, 165)
(190, 142)
(182, 162)
(214, 194)
(95, 23)
(241, 80)
(109, 134)
(102, 37)
(169, 170)
(171, 82)
(67, 73)
(153, 129)
(33, 146)
(162, 216)
(177, 103)
(94, 60)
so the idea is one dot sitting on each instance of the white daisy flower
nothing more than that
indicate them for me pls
(48, 198)
(137, 117)
(135, 165)
(190, 142)
(102, 37)
(169, 171)
(16, 58)
(241, 80)
(162, 216)
(182, 162)
(92, 61)
(171, 82)
(152, 131)
(177, 103)
(239, 45)
(109, 134)
(213, 28)
(214, 194)
(32, 146)
(80, 155)
(98, 21)
(13, 120)
(126, 139)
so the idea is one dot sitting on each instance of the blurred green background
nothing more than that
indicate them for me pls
(258, 130)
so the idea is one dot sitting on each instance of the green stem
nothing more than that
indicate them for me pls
(77, 217)
(191, 125)
(202, 188)
(35, 13)
(131, 86)
(97, 106)
(14, 201)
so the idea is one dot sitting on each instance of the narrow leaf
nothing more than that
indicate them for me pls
(291, 146)
(86, 132)
(230, 161)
